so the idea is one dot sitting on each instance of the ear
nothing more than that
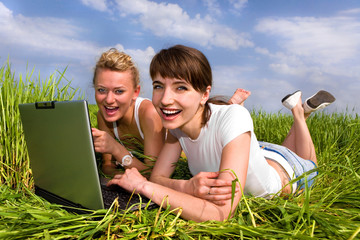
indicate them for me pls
(206, 95)
(136, 92)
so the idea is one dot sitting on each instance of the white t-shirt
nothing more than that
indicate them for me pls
(225, 124)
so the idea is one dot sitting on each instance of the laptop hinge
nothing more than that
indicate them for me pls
(64, 203)
(45, 105)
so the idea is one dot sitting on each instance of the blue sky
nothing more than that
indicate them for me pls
(271, 47)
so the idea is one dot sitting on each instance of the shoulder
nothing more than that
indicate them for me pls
(232, 119)
(233, 111)
(229, 122)
(146, 109)
(148, 116)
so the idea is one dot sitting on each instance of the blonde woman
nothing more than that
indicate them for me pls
(123, 113)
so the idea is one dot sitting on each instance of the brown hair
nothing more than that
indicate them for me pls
(184, 63)
(117, 61)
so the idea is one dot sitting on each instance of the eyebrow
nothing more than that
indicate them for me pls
(180, 81)
(156, 82)
(116, 88)
(175, 82)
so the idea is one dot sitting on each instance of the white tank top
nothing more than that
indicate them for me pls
(136, 116)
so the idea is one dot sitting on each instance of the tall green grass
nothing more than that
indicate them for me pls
(29, 88)
(330, 210)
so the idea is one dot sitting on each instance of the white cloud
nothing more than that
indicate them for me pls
(47, 36)
(238, 4)
(213, 7)
(5, 13)
(319, 40)
(54, 43)
(319, 48)
(234, 76)
(316, 53)
(170, 20)
(263, 51)
(353, 11)
(99, 5)
(287, 69)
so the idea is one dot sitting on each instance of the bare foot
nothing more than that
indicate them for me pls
(239, 96)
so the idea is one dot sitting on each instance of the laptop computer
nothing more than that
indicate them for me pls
(62, 157)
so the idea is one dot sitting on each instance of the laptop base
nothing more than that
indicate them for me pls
(125, 200)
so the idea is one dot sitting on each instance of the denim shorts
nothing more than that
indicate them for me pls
(298, 164)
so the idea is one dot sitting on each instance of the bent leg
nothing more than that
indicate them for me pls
(299, 139)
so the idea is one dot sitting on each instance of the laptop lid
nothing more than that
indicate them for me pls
(60, 146)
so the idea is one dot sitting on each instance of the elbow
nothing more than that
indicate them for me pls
(216, 213)
(155, 178)
(227, 211)
(225, 215)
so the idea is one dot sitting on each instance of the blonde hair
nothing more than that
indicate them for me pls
(117, 61)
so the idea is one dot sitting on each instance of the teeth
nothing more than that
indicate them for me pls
(169, 112)
(111, 108)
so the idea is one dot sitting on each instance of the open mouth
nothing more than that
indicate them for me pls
(111, 110)
(170, 113)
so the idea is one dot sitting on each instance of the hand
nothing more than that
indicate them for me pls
(205, 185)
(130, 180)
(103, 142)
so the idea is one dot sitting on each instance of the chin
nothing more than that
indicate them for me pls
(111, 118)
(170, 125)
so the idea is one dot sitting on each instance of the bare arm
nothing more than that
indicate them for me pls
(166, 163)
(154, 133)
(235, 156)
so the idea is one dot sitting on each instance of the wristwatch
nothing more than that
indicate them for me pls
(126, 160)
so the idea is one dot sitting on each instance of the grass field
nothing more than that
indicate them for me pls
(330, 210)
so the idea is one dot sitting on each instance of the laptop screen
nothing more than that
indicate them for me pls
(61, 151)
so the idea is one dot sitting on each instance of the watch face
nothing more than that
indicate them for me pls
(127, 160)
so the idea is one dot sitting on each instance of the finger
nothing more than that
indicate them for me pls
(223, 190)
(118, 176)
(220, 197)
(219, 183)
(209, 174)
(113, 182)
(95, 132)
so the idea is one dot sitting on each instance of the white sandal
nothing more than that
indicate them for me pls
(290, 100)
(319, 100)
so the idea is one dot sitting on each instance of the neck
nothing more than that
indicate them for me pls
(128, 117)
(193, 128)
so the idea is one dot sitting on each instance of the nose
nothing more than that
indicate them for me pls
(167, 97)
(110, 98)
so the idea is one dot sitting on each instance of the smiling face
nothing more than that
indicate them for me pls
(179, 104)
(114, 93)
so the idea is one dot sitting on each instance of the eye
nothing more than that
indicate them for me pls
(182, 88)
(101, 90)
(157, 86)
(119, 91)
